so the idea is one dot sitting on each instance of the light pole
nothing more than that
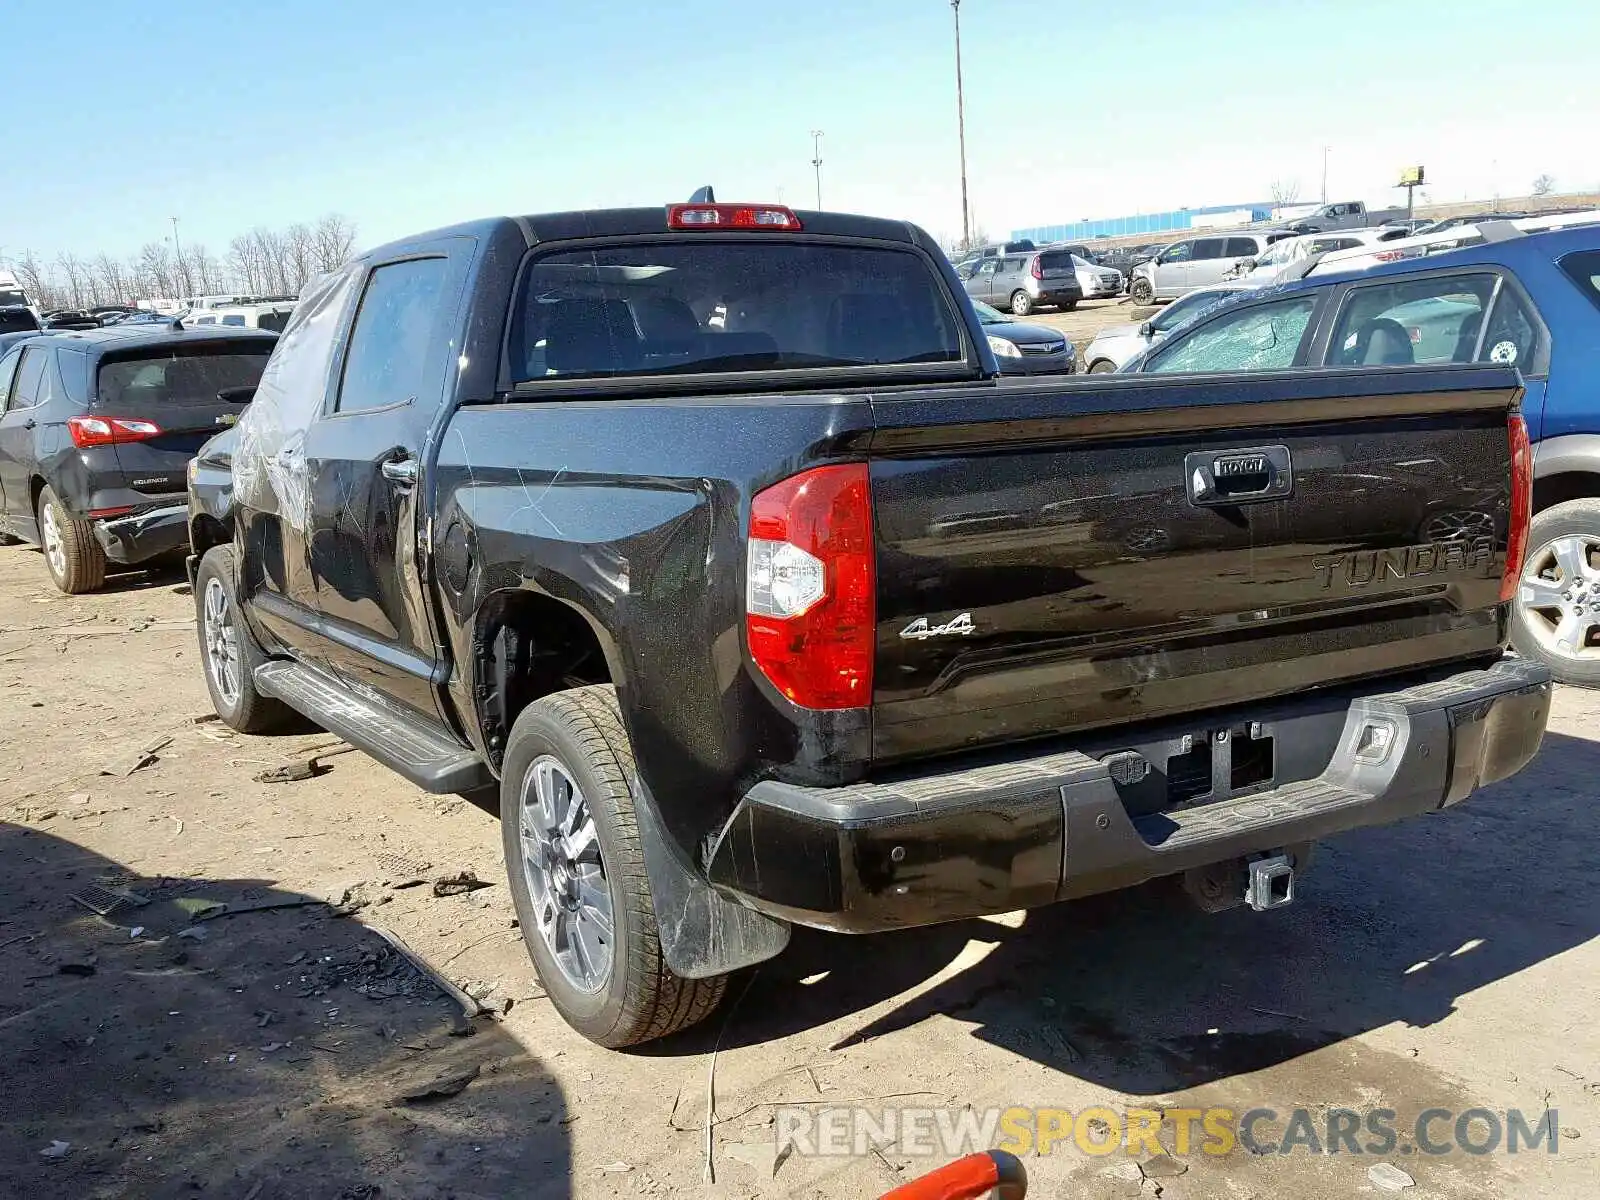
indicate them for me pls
(816, 162)
(961, 133)
(1325, 150)
(177, 250)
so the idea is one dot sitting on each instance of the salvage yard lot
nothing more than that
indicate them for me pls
(286, 1052)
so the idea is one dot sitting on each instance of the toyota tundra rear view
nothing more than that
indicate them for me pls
(708, 539)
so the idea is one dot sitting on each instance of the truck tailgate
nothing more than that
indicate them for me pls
(1083, 554)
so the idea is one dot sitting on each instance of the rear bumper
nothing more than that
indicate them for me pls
(1048, 294)
(1026, 831)
(146, 535)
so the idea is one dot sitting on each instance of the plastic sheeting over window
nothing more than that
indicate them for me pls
(269, 466)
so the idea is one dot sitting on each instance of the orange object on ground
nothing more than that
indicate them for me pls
(967, 1179)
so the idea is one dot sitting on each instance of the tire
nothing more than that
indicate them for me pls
(1142, 291)
(1561, 571)
(1067, 306)
(74, 559)
(1103, 367)
(223, 635)
(1021, 303)
(569, 755)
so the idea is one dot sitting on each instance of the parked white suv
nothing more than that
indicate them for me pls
(1197, 262)
(1272, 267)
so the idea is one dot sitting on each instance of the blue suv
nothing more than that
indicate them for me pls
(1529, 300)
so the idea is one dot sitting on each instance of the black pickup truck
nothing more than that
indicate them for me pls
(709, 538)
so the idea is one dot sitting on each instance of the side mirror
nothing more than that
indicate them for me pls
(237, 395)
(1147, 330)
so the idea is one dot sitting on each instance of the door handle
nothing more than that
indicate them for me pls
(400, 470)
(1217, 478)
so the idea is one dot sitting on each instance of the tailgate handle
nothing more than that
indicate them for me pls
(1249, 475)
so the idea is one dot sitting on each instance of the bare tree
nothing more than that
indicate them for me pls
(260, 262)
(299, 256)
(75, 273)
(111, 279)
(1544, 185)
(36, 281)
(335, 238)
(244, 262)
(156, 274)
(1285, 192)
(207, 271)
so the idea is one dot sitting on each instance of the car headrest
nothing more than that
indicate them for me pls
(591, 337)
(1384, 342)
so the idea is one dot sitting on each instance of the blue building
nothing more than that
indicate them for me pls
(1176, 221)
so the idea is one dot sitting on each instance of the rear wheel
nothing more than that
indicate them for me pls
(228, 651)
(1102, 367)
(1555, 617)
(1068, 305)
(74, 559)
(1021, 303)
(1142, 291)
(575, 864)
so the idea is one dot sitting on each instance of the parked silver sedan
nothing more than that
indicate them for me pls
(1118, 344)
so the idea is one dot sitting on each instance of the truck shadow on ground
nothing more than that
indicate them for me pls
(1139, 992)
(162, 1050)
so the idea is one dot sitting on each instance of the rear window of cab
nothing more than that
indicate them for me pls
(666, 308)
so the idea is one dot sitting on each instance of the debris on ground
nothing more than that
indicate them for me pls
(305, 768)
(56, 1151)
(763, 1156)
(458, 884)
(616, 1168)
(1389, 1177)
(214, 910)
(401, 872)
(1162, 1166)
(135, 760)
(441, 1087)
(82, 968)
(104, 900)
(469, 1007)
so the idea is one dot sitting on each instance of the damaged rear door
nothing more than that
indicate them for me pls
(364, 458)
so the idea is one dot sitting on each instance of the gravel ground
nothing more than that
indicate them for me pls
(1449, 962)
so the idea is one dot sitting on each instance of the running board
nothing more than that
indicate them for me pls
(407, 745)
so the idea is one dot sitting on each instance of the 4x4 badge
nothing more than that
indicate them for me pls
(920, 630)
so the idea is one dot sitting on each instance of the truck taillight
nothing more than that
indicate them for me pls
(810, 599)
(107, 431)
(1521, 507)
(731, 216)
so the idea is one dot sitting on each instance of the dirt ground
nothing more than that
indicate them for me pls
(194, 1042)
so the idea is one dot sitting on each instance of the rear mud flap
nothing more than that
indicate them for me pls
(702, 932)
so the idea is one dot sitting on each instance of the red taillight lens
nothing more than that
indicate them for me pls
(1038, 270)
(810, 600)
(731, 216)
(1386, 256)
(107, 431)
(1521, 507)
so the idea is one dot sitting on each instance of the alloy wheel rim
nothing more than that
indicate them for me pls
(566, 875)
(1560, 596)
(221, 642)
(54, 549)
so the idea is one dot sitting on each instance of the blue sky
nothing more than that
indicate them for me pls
(407, 114)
